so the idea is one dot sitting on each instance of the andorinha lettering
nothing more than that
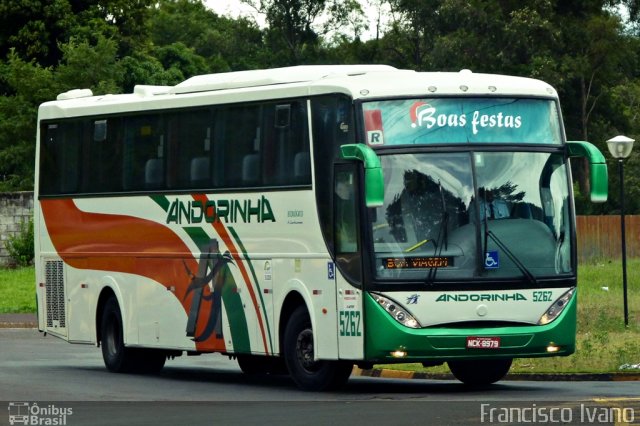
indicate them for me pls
(427, 116)
(474, 297)
(229, 211)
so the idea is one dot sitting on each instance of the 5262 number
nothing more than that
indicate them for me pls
(350, 323)
(542, 296)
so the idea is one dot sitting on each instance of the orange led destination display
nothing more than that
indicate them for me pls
(417, 262)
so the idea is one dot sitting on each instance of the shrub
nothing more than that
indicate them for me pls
(20, 246)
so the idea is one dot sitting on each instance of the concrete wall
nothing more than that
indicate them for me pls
(15, 207)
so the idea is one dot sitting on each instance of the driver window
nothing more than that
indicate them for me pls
(346, 220)
(346, 224)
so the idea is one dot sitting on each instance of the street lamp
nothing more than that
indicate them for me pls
(620, 148)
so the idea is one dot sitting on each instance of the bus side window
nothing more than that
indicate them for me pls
(300, 152)
(302, 168)
(200, 172)
(286, 144)
(61, 148)
(242, 146)
(103, 155)
(189, 147)
(144, 146)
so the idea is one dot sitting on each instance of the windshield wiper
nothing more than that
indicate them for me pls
(489, 234)
(442, 232)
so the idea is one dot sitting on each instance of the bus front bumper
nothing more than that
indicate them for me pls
(387, 341)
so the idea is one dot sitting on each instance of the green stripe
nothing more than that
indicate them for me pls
(162, 201)
(230, 297)
(235, 313)
(255, 279)
(198, 235)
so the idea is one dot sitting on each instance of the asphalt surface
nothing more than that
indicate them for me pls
(31, 321)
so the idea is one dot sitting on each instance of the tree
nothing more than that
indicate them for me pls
(295, 27)
(225, 44)
(30, 85)
(33, 29)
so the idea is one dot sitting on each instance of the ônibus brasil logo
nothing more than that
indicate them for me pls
(423, 114)
(26, 413)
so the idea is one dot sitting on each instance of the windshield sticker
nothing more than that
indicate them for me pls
(462, 120)
(373, 124)
(492, 260)
(331, 271)
(423, 114)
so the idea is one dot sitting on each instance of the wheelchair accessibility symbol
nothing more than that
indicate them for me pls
(492, 260)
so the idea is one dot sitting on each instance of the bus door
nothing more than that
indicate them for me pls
(348, 259)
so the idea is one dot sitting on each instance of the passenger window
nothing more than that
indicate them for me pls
(60, 158)
(144, 156)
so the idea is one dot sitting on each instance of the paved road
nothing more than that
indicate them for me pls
(210, 389)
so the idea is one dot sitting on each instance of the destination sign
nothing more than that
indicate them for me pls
(417, 262)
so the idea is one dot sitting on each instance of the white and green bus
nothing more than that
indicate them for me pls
(312, 218)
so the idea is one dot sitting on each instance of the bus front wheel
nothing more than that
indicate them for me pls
(306, 372)
(480, 372)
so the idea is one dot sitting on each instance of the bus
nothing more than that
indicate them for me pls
(307, 219)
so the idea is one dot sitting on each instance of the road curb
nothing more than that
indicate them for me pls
(568, 377)
(18, 321)
(18, 325)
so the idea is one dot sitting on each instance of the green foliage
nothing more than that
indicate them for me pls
(20, 246)
(586, 50)
(89, 65)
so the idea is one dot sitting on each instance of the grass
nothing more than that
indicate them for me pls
(17, 290)
(603, 343)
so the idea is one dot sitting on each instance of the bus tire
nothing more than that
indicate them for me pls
(117, 358)
(480, 372)
(307, 373)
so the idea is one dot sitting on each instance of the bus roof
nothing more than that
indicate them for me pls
(357, 81)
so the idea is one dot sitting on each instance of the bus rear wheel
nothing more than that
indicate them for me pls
(117, 357)
(308, 373)
(480, 372)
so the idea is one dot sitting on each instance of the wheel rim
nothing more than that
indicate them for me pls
(304, 351)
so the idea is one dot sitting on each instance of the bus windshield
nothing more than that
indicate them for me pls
(462, 215)
(461, 120)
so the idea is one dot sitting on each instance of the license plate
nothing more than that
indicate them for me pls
(474, 342)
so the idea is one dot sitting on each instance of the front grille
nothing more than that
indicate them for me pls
(54, 282)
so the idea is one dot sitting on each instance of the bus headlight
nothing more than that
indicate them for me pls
(557, 308)
(399, 314)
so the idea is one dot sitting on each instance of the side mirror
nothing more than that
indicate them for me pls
(598, 168)
(373, 177)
